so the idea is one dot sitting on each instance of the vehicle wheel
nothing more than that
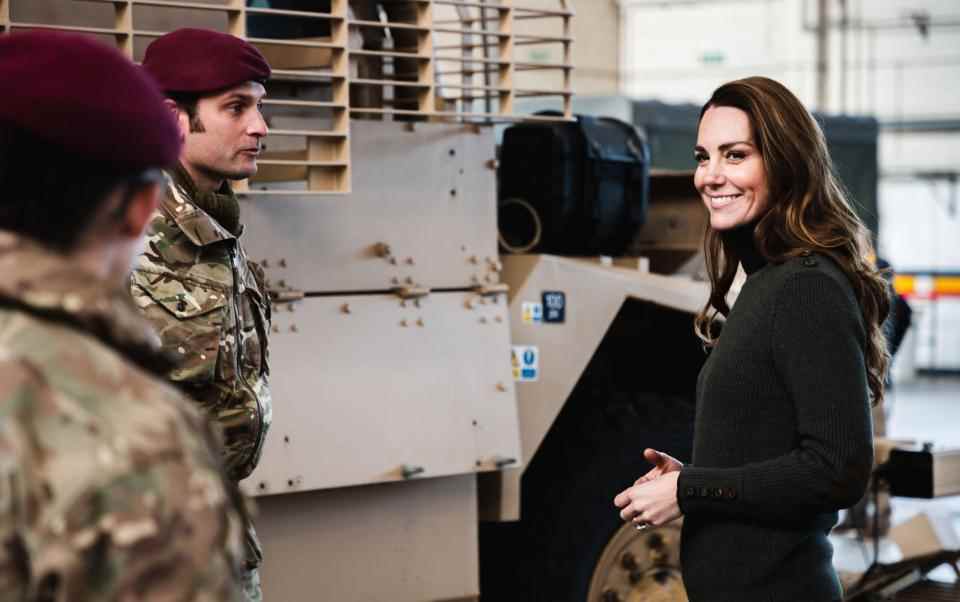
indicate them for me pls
(571, 522)
(632, 395)
(640, 566)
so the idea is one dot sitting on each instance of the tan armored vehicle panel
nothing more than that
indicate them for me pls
(373, 388)
(594, 293)
(410, 377)
(396, 542)
(422, 213)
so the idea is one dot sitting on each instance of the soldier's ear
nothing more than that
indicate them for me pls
(183, 120)
(143, 203)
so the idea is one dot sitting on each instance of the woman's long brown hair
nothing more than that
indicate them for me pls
(808, 211)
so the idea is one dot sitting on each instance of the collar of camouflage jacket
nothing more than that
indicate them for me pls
(43, 283)
(203, 218)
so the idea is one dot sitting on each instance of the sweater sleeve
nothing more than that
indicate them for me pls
(818, 353)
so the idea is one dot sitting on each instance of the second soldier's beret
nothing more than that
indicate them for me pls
(199, 60)
(86, 98)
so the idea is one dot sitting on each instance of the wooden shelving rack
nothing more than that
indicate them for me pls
(433, 60)
(478, 63)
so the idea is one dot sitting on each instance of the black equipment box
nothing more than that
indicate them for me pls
(924, 473)
(574, 188)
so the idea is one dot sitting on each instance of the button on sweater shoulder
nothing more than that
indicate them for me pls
(782, 437)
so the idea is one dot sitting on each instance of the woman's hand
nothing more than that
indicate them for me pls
(652, 503)
(652, 499)
(662, 464)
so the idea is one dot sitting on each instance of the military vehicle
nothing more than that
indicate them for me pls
(449, 422)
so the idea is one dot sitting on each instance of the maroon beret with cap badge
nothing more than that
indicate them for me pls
(86, 98)
(200, 60)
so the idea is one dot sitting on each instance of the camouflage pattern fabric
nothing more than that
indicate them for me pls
(196, 286)
(250, 583)
(111, 487)
(207, 302)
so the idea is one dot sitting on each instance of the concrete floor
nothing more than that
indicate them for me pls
(925, 409)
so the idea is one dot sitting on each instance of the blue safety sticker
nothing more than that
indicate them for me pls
(525, 361)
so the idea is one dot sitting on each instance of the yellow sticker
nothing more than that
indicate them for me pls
(532, 312)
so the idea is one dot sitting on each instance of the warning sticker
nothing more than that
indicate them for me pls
(532, 312)
(525, 360)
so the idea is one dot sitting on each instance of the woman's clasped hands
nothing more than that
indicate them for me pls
(652, 499)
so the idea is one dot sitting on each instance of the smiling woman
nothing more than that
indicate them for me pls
(782, 436)
(730, 175)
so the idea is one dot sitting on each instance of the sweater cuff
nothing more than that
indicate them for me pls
(706, 489)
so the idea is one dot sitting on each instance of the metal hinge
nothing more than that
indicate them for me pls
(286, 296)
(411, 292)
(490, 290)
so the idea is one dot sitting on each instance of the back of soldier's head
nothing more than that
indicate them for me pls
(78, 123)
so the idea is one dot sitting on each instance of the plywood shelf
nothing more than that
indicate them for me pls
(299, 43)
(464, 59)
(542, 66)
(518, 93)
(473, 32)
(306, 75)
(305, 14)
(314, 104)
(388, 82)
(526, 92)
(528, 39)
(472, 87)
(390, 25)
(71, 28)
(532, 10)
(174, 4)
(308, 133)
(391, 54)
(453, 115)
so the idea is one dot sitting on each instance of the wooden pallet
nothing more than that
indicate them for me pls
(905, 579)
(930, 591)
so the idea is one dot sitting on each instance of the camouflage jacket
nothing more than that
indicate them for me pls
(207, 302)
(111, 485)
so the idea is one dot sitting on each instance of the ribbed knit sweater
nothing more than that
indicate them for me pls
(782, 437)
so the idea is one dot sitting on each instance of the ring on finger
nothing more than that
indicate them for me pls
(642, 525)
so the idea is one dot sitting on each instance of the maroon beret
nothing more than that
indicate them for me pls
(86, 98)
(200, 60)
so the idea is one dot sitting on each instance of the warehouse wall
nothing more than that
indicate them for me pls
(680, 51)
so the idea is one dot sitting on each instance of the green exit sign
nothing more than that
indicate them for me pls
(713, 57)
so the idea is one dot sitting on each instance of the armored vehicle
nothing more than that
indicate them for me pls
(449, 421)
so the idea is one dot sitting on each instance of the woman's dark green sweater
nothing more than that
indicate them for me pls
(782, 438)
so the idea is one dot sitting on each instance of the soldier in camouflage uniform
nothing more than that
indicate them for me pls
(111, 485)
(194, 282)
